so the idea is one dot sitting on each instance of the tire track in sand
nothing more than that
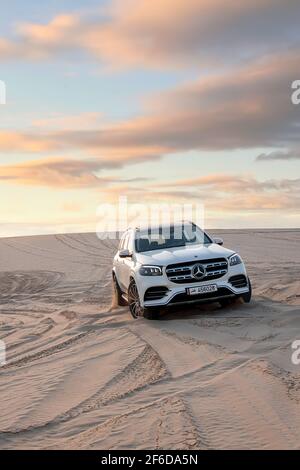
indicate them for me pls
(145, 370)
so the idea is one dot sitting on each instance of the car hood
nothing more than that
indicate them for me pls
(182, 254)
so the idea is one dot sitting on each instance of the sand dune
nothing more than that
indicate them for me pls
(81, 373)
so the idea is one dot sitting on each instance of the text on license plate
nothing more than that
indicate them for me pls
(202, 289)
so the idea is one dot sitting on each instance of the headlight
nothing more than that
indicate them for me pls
(150, 270)
(235, 259)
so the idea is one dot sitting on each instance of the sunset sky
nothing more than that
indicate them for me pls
(158, 100)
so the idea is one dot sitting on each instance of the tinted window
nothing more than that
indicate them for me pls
(170, 237)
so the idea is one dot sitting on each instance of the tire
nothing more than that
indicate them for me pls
(135, 307)
(247, 297)
(121, 302)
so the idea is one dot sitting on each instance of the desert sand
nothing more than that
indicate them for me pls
(82, 374)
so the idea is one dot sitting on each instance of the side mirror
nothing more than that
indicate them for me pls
(125, 254)
(218, 241)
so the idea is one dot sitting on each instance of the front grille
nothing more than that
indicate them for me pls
(184, 297)
(181, 273)
(155, 293)
(238, 281)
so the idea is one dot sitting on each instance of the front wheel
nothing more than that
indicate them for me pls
(247, 297)
(135, 307)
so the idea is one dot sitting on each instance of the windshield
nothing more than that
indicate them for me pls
(170, 237)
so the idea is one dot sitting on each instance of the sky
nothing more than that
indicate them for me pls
(161, 100)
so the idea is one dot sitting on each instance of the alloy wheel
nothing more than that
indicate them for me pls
(134, 301)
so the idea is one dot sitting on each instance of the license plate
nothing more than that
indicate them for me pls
(202, 289)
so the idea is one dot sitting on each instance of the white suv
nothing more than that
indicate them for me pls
(175, 264)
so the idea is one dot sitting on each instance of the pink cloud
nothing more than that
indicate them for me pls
(218, 192)
(249, 107)
(163, 33)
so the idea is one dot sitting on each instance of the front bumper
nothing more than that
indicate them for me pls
(177, 293)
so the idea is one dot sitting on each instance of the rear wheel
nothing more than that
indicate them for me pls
(247, 297)
(135, 307)
(120, 301)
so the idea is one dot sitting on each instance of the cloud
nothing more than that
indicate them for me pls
(249, 107)
(160, 33)
(52, 172)
(223, 183)
(52, 33)
(60, 172)
(39, 42)
(11, 141)
(163, 33)
(218, 192)
(108, 155)
(245, 108)
(279, 155)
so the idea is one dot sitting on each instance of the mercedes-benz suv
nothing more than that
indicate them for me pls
(161, 266)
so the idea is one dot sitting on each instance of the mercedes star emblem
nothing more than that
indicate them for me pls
(198, 271)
